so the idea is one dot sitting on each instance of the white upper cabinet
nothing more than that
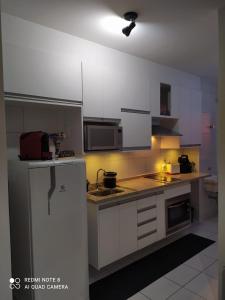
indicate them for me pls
(136, 129)
(93, 91)
(43, 74)
(102, 95)
(134, 91)
(190, 117)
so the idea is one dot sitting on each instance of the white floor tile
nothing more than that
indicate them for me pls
(200, 262)
(138, 296)
(213, 270)
(161, 289)
(184, 294)
(211, 251)
(204, 286)
(182, 274)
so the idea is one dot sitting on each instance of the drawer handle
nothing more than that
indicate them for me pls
(147, 234)
(146, 222)
(140, 210)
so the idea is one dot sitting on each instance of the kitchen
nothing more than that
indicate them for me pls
(124, 114)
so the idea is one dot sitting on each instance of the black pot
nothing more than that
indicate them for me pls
(109, 180)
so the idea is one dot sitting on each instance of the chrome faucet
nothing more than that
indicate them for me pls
(97, 183)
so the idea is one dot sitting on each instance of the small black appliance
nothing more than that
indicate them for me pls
(185, 164)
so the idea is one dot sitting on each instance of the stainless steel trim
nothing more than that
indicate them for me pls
(171, 203)
(135, 111)
(176, 205)
(140, 210)
(147, 234)
(146, 222)
(178, 226)
(39, 99)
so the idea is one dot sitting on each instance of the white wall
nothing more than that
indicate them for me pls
(208, 153)
(5, 260)
(221, 152)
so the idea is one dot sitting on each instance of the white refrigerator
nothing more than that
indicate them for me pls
(48, 221)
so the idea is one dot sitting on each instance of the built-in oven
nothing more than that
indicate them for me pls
(102, 137)
(178, 213)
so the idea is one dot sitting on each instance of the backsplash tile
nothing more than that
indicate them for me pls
(130, 164)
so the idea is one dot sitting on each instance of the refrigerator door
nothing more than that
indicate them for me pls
(59, 231)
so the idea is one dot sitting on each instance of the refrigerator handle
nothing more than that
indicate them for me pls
(52, 188)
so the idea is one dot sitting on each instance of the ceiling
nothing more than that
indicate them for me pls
(179, 33)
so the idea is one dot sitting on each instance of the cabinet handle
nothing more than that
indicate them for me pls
(52, 187)
(140, 210)
(147, 234)
(146, 222)
(135, 111)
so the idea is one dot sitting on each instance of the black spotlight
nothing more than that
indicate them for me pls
(130, 16)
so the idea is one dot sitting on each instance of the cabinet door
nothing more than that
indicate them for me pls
(128, 228)
(134, 90)
(136, 129)
(93, 90)
(102, 93)
(108, 236)
(43, 74)
(112, 96)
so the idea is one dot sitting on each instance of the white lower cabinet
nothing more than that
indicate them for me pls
(121, 229)
(127, 228)
(108, 235)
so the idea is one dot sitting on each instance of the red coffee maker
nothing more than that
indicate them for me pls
(34, 146)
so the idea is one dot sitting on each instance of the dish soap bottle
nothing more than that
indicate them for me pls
(164, 167)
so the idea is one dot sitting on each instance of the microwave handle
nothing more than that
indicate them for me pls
(177, 205)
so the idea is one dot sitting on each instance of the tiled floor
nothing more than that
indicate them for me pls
(196, 279)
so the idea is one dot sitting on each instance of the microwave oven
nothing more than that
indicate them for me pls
(102, 137)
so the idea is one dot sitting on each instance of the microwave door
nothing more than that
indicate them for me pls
(102, 137)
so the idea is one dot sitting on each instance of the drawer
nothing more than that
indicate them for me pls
(177, 191)
(147, 227)
(146, 202)
(146, 215)
(147, 240)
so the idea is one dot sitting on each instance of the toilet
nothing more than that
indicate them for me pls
(211, 186)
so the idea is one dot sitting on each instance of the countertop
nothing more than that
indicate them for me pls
(138, 185)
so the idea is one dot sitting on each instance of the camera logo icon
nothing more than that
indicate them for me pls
(14, 283)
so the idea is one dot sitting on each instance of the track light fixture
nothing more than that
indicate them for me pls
(130, 16)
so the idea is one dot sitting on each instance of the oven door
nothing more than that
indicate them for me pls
(99, 137)
(178, 213)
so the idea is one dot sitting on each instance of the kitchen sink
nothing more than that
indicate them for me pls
(101, 193)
